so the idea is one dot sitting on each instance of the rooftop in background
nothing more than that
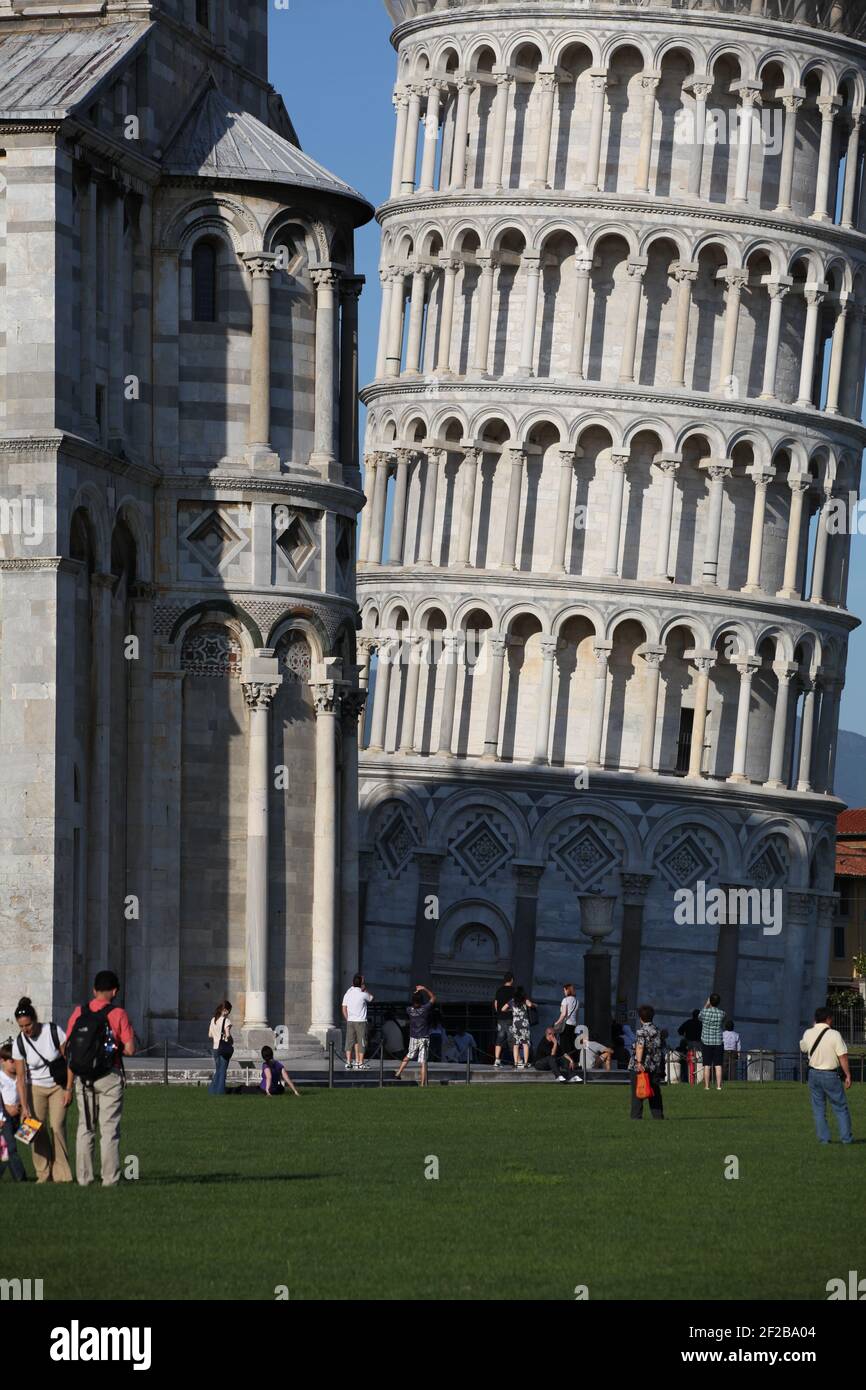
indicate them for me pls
(49, 73)
(851, 855)
(852, 822)
(834, 16)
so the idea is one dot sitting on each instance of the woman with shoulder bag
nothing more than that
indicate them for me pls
(566, 1024)
(220, 1033)
(40, 1063)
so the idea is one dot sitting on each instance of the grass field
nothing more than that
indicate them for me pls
(540, 1189)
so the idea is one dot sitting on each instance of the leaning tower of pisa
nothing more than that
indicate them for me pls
(612, 434)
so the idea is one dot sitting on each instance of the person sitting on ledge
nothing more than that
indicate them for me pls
(549, 1057)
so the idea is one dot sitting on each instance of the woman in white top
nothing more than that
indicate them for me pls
(567, 1021)
(40, 1052)
(220, 1033)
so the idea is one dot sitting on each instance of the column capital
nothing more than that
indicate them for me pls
(800, 482)
(527, 876)
(668, 463)
(828, 106)
(258, 693)
(517, 454)
(619, 460)
(326, 697)
(487, 260)
(761, 474)
(829, 680)
(569, 456)
(464, 83)
(601, 651)
(449, 262)
(351, 287)
(778, 288)
(649, 80)
(452, 642)
(368, 643)
(785, 670)
(325, 277)
(429, 863)
(792, 102)
(685, 270)
(502, 77)
(800, 905)
(734, 278)
(260, 264)
(403, 453)
(547, 79)
(498, 643)
(747, 666)
(583, 263)
(716, 468)
(637, 266)
(598, 78)
(653, 656)
(530, 261)
(815, 293)
(472, 453)
(748, 92)
(700, 84)
(400, 97)
(634, 887)
(702, 659)
(548, 647)
(353, 705)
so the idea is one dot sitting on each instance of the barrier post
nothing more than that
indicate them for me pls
(469, 1067)
(165, 1061)
(331, 1065)
(382, 1063)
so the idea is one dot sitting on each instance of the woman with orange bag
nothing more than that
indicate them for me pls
(646, 1066)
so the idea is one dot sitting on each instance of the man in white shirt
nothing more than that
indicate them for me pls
(827, 1052)
(355, 1002)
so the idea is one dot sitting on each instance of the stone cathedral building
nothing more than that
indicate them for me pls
(179, 485)
(616, 403)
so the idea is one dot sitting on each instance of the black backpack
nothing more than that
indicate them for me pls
(91, 1047)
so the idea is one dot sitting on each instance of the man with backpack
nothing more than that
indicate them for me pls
(99, 1036)
(829, 1075)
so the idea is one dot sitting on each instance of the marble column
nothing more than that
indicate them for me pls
(746, 667)
(649, 82)
(403, 458)
(791, 102)
(496, 646)
(396, 307)
(350, 946)
(814, 297)
(326, 280)
(99, 789)
(429, 864)
(634, 890)
(416, 319)
(428, 514)
(377, 520)
(653, 658)
(819, 559)
(259, 687)
(365, 543)
(401, 104)
(827, 107)
(261, 268)
(469, 470)
(454, 644)
(446, 315)
(799, 484)
(761, 477)
(481, 354)
(668, 465)
(465, 86)
(598, 81)
(777, 775)
(750, 97)
(734, 282)
(410, 147)
(563, 511)
(416, 646)
(776, 289)
(831, 692)
(117, 317)
(350, 293)
(531, 265)
(700, 91)
(837, 351)
(324, 964)
(852, 162)
(804, 771)
(387, 283)
(545, 698)
(636, 269)
(582, 268)
(717, 470)
(431, 137)
(618, 465)
(685, 274)
(504, 83)
(853, 359)
(527, 876)
(512, 517)
(547, 82)
(703, 662)
(601, 652)
(90, 270)
(389, 652)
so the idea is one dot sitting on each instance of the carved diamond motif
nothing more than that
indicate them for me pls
(686, 861)
(770, 869)
(214, 540)
(396, 844)
(297, 543)
(480, 851)
(211, 650)
(585, 856)
(296, 658)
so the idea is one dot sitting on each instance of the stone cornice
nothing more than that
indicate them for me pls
(312, 491)
(76, 446)
(640, 17)
(575, 588)
(669, 210)
(41, 562)
(658, 789)
(457, 388)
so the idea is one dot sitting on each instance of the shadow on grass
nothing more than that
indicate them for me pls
(206, 1178)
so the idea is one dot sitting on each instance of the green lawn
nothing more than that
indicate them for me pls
(541, 1188)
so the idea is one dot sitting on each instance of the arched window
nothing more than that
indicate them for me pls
(204, 282)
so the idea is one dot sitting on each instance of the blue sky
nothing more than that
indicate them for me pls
(334, 65)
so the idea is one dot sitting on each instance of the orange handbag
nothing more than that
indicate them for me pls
(643, 1089)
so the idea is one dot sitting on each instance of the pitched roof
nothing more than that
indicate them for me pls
(219, 141)
(47, 74)
(852, 821)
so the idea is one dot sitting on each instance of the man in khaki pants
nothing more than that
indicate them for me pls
(96, 1049)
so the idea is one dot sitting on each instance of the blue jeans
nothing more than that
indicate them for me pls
(220, 1066)
(824, 1086)
(15, 1166)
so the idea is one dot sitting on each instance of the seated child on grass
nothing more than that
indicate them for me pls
(275, 1078)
